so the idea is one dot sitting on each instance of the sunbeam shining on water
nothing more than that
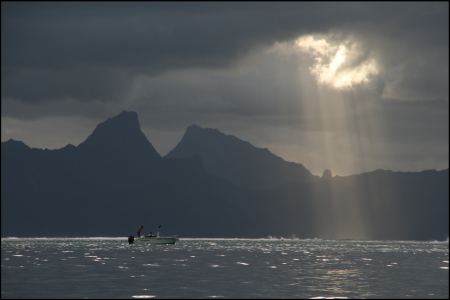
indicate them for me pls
(223, 268)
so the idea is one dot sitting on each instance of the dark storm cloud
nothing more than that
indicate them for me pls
(93, 51)
(78, 83)
(68, 66)
(137, 35)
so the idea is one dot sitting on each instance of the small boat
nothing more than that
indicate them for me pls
(151, 238)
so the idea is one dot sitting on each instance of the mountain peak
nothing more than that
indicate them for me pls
(121, 125)
(118, 134)
(194, 128)
(236, 160)
(124, 114)
(15, 143)
(125, 118)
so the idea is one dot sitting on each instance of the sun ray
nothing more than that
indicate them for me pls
(342, 68)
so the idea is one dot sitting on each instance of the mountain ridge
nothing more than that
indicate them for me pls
(115, 182)
(237, 160)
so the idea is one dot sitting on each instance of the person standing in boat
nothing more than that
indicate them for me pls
(140, 230)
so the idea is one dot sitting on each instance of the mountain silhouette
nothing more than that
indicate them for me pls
(238, 161)
(210, 185)
(120, 138)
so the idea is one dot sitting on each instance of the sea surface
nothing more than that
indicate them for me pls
(223, 268)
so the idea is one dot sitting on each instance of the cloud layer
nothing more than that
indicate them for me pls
(234, 66)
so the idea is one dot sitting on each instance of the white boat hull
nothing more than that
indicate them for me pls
(155, 240)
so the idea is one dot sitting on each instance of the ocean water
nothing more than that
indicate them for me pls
(223, 268)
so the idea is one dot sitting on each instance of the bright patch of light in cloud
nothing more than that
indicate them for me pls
(340, 65)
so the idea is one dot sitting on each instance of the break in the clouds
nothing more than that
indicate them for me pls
(342, 65)
(367, 81)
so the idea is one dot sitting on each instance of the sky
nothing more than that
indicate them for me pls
(346, 86)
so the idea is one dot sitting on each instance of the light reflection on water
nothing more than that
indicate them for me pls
(202, 268)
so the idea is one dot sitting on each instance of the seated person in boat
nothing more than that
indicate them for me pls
(140, 230)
